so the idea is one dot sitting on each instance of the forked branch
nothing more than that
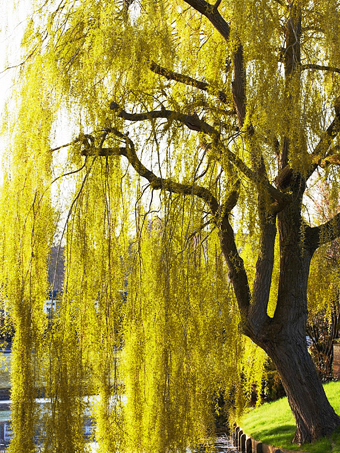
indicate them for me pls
(156, 182)
(194, 123)
(212, 14)
(220, 213)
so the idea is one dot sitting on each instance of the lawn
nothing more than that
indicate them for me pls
(273, 424)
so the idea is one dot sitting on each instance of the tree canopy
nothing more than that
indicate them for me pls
(198, 131)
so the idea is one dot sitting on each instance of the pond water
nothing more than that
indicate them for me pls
(222, 445)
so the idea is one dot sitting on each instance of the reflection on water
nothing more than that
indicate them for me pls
(5, 416)
(222, 444)
(6, 432)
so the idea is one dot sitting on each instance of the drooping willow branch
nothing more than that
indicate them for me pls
(219, 212)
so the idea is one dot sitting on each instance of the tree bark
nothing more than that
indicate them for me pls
(283, 337)
(314, 416)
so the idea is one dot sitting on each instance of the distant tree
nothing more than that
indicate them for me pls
(322, 330)
(231, 112)
(323, 290)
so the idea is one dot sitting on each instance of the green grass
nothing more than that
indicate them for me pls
(273, 424)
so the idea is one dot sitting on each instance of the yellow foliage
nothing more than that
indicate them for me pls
(147, 324)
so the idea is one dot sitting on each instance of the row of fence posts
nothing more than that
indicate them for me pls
(246, 444)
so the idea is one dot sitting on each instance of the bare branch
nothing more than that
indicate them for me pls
(239, 85)
(19, 65)
(171, 75)
(104, 152)
(320, 67)
(83, 138)
(77, 140)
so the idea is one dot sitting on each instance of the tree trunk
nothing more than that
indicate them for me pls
(285, 339)
(284, 336)
(314, 416)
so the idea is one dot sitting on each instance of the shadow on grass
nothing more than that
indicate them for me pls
(273, 424)
(282, 437)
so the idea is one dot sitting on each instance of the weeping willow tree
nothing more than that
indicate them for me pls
(197, 130)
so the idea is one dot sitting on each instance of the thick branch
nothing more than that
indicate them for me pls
(104, 152)
(293, 36)
(156, 183)
(171, 75)
(239, 82)
(324, 233)
(191, 121)
(232, 199)
(211, 13)
(235, 263)
(194, 123)
(264, 270)
(239, 85)
(264, 266)
(320, 67)
(237, 272)
(320, 151)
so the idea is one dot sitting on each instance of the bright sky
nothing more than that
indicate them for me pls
(12, 25)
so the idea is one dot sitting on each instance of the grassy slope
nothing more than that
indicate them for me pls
(273, 423)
